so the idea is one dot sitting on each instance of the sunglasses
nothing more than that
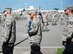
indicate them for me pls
(4, 11)
(65, 10)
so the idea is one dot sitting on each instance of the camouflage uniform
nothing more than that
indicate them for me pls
(68, 36)
(68, 28)
(8, 34)
(36, 39)
(34, 25)
(55, 18)
(6, 27)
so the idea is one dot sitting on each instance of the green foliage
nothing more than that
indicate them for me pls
(59, 51)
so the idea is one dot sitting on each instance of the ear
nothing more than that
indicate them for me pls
(69, 11)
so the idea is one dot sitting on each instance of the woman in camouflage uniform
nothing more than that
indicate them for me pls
(35, 40)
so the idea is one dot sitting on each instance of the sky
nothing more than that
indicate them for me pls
(44, 4)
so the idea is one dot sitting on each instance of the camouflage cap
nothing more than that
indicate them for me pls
(69, 7)
(7, 9)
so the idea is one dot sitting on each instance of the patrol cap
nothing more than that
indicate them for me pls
(70, 8)
(7, 9)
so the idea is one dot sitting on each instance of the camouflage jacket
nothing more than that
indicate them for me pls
(8, 29)
(34, 25)
(68, 30)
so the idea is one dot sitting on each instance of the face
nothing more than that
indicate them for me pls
(8, 11)
(67, 12)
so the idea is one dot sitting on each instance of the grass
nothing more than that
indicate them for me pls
(59, 51)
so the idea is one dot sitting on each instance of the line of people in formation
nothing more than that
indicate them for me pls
(36, 22)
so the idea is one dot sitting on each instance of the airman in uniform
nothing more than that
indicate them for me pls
(8, 31)
(68, 30)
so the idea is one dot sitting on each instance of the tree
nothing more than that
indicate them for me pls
(55, 9)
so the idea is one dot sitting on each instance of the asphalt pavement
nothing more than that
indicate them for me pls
(50, 39)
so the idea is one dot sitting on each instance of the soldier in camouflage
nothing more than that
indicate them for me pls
(68, 30)
(8, 32)
(35, 40)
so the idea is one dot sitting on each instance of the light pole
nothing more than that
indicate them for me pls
(61, 4)
(39, 8)
(19, 3)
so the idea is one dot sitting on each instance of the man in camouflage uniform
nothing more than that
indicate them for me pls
(35, 40)
(68, 30)
(8, 32)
